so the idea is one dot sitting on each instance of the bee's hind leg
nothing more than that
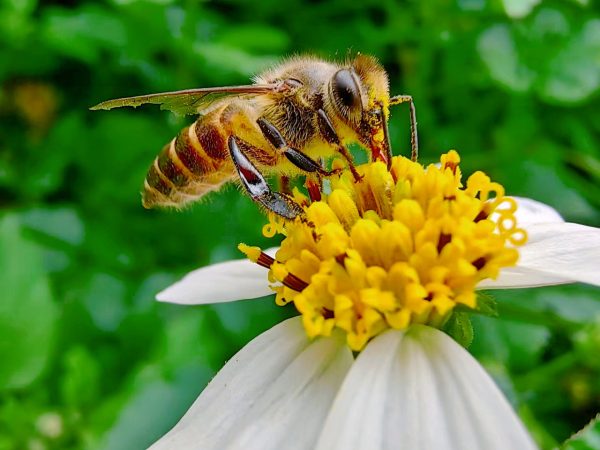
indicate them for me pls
(255, 184)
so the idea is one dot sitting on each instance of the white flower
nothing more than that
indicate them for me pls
(414, 389)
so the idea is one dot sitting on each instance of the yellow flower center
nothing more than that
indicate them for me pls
(399, 247)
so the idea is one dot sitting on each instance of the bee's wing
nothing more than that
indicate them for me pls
(190, 101)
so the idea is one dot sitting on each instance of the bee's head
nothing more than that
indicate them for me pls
(360, 95)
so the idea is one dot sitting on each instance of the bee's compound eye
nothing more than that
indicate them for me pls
(345, 90)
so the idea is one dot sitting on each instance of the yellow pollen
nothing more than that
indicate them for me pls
(398, 247)
(252, 253)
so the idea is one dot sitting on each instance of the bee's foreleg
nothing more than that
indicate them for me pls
(328, 133)
(296, 157)
(414, 138)
(255, 184)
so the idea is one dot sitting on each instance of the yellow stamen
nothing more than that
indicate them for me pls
(398, 247)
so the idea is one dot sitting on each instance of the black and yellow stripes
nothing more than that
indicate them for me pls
(192, 164)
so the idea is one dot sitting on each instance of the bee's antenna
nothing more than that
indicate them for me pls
(414, 138)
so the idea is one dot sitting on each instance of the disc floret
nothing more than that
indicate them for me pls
(398, 247)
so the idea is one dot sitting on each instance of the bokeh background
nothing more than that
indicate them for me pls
(89, 360)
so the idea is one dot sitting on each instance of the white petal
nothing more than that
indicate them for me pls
(274, 394)
(520, 277)
(555, 253)
(531, 211)
(228, 281)
(420, 390)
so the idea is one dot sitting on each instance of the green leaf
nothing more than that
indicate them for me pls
(460, 328)
(105, 301)
(567, 306)
(550, 52)
(587, 342)
(225, 59)
(573, 73)
(21, 6)
(519, 8)
(150, 405)
(518, 345)
(83, 33)
(187, 341)
(127, 2)
(247, 319)
(498, 50)
(586, 439)
(486, 305)
(27, 312)
(255, 38)
(63, 224)
(542, 182)
(80, 381)
(43, 171)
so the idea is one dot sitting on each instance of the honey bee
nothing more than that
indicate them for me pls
(293, 117)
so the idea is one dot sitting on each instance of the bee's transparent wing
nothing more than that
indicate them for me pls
(189, 101)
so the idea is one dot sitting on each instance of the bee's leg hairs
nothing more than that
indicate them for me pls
(255, 184)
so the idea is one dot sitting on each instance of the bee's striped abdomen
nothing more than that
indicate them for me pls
(191, 165)
(211, 140)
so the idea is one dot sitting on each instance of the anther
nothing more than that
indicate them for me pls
(265, 260)
(295, 283)
(479, 263)
(256, 255)
(481, 216)
(443, 240)
(341, 258)
(451, 165)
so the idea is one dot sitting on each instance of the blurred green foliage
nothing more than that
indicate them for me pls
(89, 360)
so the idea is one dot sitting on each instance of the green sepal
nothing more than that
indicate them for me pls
(459, 327)
(486, 306)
